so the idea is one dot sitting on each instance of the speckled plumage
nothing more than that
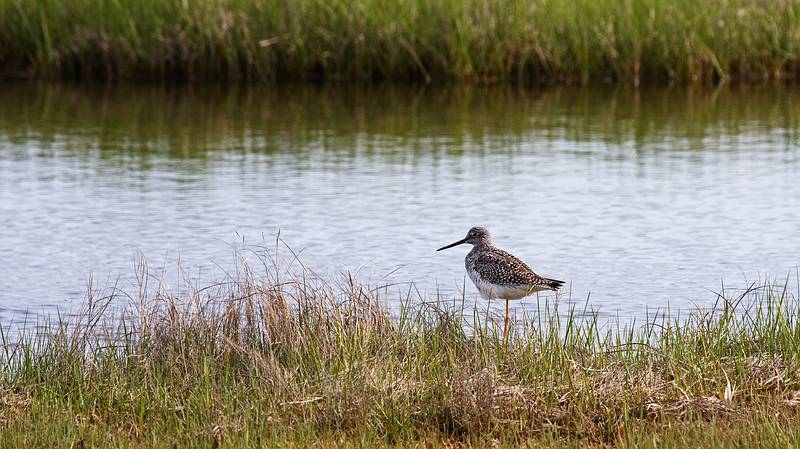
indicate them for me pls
(498, 274)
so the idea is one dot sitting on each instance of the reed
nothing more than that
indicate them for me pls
(262, 359)
(541, 41)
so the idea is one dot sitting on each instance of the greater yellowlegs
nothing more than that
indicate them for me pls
(498, 274)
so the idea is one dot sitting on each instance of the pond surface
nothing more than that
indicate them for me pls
(641, 198)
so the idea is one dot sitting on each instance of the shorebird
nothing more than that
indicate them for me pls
(498, 274)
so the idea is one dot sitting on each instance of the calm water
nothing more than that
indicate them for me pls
(641, 197)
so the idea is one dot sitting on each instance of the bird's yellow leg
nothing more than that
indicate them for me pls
(505, 327)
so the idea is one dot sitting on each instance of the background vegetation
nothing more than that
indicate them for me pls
(542, 41)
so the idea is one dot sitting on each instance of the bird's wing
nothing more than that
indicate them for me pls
(503, 268)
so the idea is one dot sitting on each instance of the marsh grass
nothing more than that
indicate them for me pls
(263, 359)
(416, 40)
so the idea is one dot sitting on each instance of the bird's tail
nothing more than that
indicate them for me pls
(555, 284)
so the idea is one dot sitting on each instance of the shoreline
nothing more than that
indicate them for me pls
(262, 360)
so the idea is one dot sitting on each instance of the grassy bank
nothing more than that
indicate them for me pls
(416, 40)
(260, 361)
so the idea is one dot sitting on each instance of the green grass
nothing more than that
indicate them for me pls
(286, 361)
(562, 41)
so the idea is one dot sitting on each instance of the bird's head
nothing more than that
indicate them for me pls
(475, 236)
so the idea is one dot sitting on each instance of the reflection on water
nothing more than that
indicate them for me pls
(637, 196)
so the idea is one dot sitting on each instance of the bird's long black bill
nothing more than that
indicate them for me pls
(452, 244)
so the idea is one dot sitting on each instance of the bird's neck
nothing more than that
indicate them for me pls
(483, 246)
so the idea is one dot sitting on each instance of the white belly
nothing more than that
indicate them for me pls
(492, 291)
